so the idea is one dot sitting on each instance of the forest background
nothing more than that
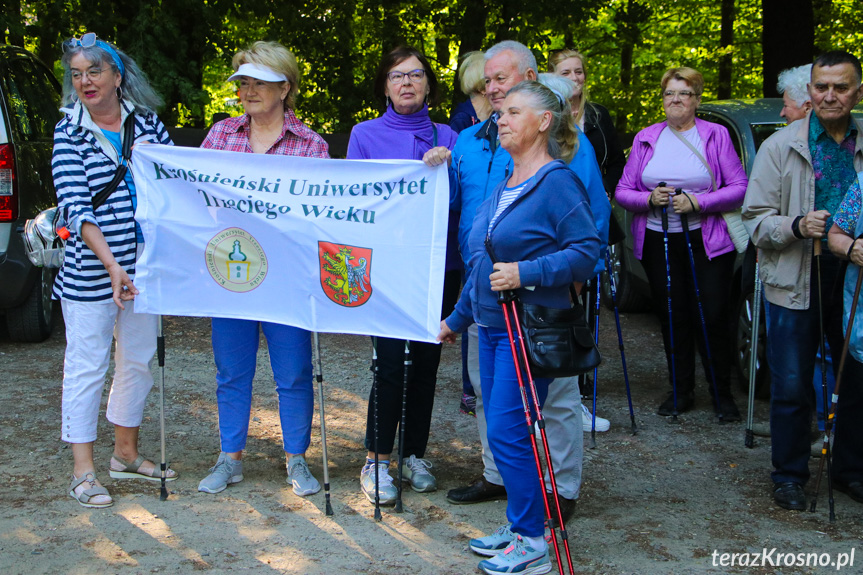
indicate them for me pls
(185, 46)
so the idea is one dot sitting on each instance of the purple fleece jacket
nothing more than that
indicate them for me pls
(395, 136)
(731, 181)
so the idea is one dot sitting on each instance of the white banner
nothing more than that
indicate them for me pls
(335, 246)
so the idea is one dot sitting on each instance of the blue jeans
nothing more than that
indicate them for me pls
(792, 343)
(508, 435)
(235, 347)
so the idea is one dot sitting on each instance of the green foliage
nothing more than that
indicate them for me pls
(185, 46)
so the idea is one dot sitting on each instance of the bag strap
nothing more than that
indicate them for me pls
(490, 251)
(128, 137)
(698, 154)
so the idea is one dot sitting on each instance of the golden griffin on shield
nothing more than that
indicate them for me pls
(350, 278)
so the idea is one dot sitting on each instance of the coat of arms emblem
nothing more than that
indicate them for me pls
(345, 273)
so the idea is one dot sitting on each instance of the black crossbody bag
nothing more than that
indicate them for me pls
(559, 342)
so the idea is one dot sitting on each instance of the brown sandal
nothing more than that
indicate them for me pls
(85, 498)
(132, 470)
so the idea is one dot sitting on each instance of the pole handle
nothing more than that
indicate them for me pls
(816, 247)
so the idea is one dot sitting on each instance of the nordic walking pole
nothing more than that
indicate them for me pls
(596, 287)
(668, 296)
(407, 368)
(510, 315)
(506, 299)
(375, 409)
(160, 351)
(320, 378)
(753, 356)
(828, 421)
(684, 220)
(613, 286)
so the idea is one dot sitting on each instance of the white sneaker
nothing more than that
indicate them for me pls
(602, 424)
(300, 477)
(386, 490)
(416, 472)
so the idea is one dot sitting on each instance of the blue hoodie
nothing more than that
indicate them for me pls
(548, 229)
(479, 163)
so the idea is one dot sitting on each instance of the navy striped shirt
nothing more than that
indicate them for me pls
(83, 163)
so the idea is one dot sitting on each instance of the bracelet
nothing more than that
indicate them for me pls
(795, 228)
(851, 249)
(690, 202)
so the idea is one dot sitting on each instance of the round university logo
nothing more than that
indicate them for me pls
(236, 261)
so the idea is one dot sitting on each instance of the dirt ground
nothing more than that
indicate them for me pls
(671, 499)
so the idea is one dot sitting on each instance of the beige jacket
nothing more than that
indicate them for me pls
(782, 187)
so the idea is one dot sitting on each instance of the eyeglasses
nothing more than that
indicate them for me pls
(93, 73)
(415, 76)
(86, 41)
(682, 94)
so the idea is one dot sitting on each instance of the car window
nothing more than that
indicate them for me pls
(735, 137)
(31, 99)
(761, 132)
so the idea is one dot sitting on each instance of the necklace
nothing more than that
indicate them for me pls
(261, 141)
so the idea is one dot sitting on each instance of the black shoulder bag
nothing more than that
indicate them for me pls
(559, 341)
(128, 137)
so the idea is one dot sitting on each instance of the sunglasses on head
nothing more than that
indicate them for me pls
(86, 41)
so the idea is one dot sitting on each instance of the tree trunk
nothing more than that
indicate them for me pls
(787, 39)
(13, 21)
(628, 23)
(471, 32)
(726, 40)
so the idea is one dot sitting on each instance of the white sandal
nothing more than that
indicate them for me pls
(85, 498)
(132, 470)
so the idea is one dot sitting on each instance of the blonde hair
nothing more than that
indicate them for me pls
(275, 57)
(689, 75)
(554, 61)
(470, 75)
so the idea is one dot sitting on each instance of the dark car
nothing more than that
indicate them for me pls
(29, 110)
(749, 122)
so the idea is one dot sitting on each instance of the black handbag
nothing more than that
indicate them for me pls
(559, 342)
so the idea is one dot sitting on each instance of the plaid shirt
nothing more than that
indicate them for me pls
(295, 140)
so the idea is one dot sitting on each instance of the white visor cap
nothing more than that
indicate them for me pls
(258, 72)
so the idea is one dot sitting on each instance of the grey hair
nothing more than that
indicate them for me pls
(523, 56)
(562, 137)
(793, 81)
(564, 86)
(136, 89)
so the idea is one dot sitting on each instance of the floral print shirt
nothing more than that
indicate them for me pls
(833, 164)
(849, 210)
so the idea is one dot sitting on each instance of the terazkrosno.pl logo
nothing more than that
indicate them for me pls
(236, 261)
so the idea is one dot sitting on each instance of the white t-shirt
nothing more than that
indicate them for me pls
(678, 166)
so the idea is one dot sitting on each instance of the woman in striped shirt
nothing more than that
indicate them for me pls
(101, 88)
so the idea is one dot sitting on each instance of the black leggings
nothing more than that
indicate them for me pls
(714, 284)
(422, 379)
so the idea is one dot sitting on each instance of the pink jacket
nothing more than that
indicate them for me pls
(632, 195)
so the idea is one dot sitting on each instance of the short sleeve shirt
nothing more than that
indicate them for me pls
(296, 138)
(849, 210)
